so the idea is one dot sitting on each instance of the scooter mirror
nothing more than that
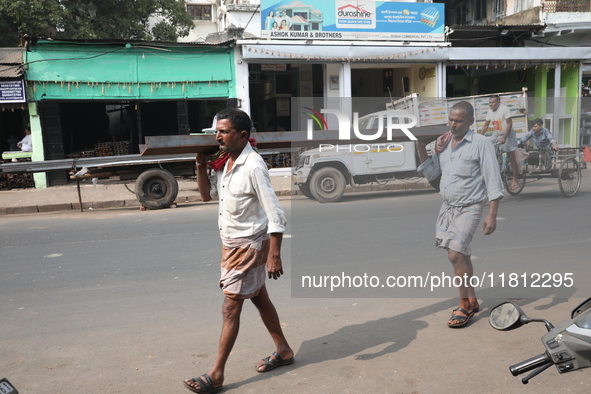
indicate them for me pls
(581, 308)
(507, 316)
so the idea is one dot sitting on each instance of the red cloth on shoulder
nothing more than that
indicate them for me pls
(218, 160)
(442, 142)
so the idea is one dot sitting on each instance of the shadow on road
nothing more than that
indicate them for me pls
(397, 332)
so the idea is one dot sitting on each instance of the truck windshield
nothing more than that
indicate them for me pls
(367, 123)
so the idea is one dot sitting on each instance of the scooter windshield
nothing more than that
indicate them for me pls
(584, 321)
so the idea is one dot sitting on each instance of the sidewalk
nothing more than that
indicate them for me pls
(118, 194)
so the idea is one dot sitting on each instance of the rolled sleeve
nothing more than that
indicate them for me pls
(549, 136)
(269, 201)
(430, 168)
(525, 138)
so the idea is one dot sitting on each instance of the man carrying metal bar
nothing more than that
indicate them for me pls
(251, 223)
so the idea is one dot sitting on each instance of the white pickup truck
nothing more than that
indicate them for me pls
(323, 173)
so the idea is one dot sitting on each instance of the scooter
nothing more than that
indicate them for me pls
(568, 346)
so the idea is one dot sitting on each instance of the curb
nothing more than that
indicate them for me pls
(185, 199)
(378, 188)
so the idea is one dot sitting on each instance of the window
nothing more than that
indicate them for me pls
(498, 9)
(480, 12)
(460, 14)
(199, 12)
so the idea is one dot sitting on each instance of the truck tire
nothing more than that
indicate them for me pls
(327, 184)
(306, 191)
(156, 188)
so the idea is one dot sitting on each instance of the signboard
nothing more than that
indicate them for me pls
(362, 20)
(12, 92)
(273, 67)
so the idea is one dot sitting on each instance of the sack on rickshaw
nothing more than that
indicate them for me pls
(587, 154)
(520, 157)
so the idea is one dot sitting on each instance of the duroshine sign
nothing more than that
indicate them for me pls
(352, 20)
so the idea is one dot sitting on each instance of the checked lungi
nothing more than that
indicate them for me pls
(244, 265)
(456, 226)
(510, 143)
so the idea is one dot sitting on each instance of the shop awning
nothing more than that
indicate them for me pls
(327, 52)
(11, 63)
(491, 36)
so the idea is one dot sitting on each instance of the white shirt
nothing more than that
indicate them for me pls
(26, 143)
(498, 118)
(248, 203)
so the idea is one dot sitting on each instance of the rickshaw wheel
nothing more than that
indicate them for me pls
(569, 177)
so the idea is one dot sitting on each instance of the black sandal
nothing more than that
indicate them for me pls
(205, 386)
(270, 363)
(462, 320)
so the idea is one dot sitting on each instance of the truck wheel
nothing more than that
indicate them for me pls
(306, 191)
(327, 184)
(156, 188)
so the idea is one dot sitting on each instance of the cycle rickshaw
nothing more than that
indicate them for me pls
(565, 165)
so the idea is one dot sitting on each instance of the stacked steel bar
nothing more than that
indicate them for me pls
(103, 149)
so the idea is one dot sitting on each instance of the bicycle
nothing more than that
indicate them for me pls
(507, 172)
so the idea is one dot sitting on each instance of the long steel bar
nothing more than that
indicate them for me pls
(180, 144)
(172, 148)
(105, 161)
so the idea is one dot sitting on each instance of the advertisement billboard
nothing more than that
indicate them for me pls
(362, 20)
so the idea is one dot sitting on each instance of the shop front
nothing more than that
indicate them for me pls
(335, 53)
(98, 98)
(331, 71)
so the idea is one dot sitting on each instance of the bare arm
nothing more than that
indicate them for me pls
(485, 127)
(553, 141)
(509, 127)
(274, 264)
(489, 224)
(202, 179)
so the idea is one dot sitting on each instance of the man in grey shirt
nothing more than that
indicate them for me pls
(542, 137)
(469, 176)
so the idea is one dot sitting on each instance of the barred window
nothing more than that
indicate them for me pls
(199, 12)
(499, 9)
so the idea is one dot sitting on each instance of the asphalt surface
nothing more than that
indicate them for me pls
(126, 301)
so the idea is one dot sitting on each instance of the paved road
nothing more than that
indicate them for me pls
(124, 301)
